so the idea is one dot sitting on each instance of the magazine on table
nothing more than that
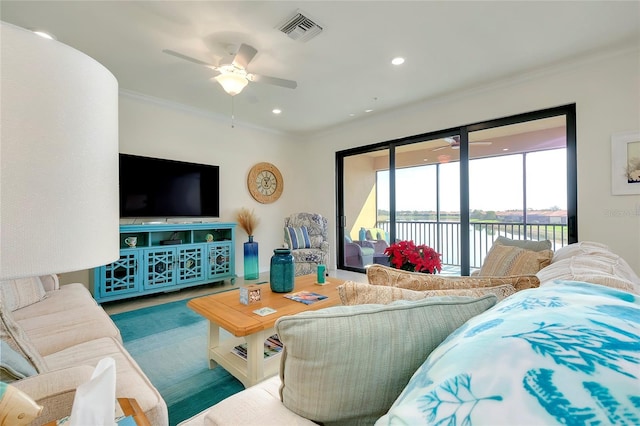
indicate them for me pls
(272, 346)
(306, 297)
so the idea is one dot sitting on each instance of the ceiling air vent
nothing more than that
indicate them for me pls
(300, 28)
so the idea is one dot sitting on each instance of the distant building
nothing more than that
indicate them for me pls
(543, 217)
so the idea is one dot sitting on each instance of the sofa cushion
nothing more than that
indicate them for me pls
(593, 268)
(130, 380)
(13, 366)
(387, 276)
(51, 333)
(569, 348)
(582, 248)
(524, 244)
(588, 257)
(353, 293)
(511, 260)
(258, 405)
(297, 237)
(18, 293)
(17, 339)
(68, 297)
(347, 364)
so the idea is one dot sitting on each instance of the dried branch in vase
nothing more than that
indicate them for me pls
(247, 220)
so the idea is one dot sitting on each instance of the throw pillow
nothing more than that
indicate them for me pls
(582, 248)
(347, 364)
(353, 293)
(18, 293)
(510, 260)
(559, 354)
(17, 339)
(386, 276)
(13, 366)
(524, 244)
(297, 238)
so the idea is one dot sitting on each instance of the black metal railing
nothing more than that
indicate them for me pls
(444, 237)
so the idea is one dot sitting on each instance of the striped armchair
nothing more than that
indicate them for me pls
(306, 235)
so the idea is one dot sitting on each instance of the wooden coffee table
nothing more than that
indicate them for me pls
(224, 310)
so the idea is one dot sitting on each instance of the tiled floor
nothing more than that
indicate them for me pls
(157, 299)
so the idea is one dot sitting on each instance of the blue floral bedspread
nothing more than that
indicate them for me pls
(566, 353)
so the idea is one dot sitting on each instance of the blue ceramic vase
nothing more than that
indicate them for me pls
(282, 273)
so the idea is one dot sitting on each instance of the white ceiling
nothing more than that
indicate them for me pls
(448, 45)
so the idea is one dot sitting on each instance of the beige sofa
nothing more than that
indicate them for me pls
(589, 262)
(62, 333)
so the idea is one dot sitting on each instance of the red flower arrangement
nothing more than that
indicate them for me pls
(407, 256)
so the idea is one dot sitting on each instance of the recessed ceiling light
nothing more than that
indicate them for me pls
(352, 115)
(368, 110)
(505, 149)
(276, 111)
(397, 61)
(44, 34)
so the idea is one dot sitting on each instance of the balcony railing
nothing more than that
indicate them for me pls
(444, 237)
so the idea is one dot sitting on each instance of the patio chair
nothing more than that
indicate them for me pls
(358, 254)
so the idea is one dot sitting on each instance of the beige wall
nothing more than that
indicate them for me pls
(605, 89)
(359, 190)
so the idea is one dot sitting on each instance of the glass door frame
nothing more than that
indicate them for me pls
(569, 111)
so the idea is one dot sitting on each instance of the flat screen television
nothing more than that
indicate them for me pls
(153, 187)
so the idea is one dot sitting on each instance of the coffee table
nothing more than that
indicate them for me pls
(224, 310)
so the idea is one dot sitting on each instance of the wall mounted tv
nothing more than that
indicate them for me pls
(153, 187)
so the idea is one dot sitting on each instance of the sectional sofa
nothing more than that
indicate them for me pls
(560, 347)
(53, 336)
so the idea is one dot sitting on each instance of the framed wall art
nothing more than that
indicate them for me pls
(625, 163)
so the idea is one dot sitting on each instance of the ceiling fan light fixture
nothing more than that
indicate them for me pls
(232, 83)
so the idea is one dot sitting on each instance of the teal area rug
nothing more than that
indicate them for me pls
(169, 343)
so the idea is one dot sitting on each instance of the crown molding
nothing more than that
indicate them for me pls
(223, 119)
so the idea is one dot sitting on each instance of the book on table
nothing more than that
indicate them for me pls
(272, 346)
(306, 297)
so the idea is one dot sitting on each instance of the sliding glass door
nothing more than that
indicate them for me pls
(518, 184)
(362, 242)
(459, 189)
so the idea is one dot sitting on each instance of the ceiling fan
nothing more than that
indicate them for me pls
(233, 77)
(454, 143)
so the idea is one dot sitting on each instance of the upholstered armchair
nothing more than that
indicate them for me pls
(358, 254)
(306, 234)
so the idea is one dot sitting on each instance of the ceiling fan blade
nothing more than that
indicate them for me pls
(189, 58)
(289, 84)
(244, 55)
(438, 149)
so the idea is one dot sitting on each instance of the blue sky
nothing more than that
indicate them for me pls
(495, 184)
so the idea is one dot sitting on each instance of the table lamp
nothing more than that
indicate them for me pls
(58, 163)
(58, 158)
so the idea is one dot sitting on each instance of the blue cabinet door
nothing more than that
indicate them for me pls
(219, 260)
(159, 267)
(122, 277)
(191, 263)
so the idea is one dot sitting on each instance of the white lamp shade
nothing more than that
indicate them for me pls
(232, 83)
(58, 158)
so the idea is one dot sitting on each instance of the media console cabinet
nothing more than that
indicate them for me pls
(167, 257)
